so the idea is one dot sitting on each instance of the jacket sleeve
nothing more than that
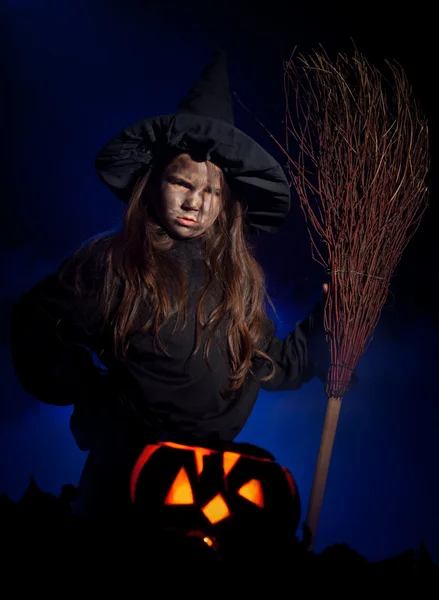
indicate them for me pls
(302, 355)
(50, 344)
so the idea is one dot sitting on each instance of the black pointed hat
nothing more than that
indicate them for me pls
(202, 124)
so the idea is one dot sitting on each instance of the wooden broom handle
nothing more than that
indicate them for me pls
(322, 466)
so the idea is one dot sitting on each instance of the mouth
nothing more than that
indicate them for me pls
(186, 221)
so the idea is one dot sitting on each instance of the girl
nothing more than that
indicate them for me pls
(172, 305)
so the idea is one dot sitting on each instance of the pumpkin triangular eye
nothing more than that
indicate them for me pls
(229, 461)
(252, 491)
(180, 491)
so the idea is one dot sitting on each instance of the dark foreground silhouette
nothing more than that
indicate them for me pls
(44, 544)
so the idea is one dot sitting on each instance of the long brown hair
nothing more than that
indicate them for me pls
(137, 268)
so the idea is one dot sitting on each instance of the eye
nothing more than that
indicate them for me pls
(210, 191)
(180, 183)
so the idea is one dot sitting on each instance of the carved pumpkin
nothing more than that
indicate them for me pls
(219, 495)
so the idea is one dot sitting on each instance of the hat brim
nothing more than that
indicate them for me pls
(258, 178)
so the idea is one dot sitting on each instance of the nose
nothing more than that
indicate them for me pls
(193, 200)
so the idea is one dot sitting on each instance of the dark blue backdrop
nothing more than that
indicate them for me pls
(79, 71)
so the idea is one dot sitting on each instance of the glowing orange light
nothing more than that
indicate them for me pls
(216, 510)
(181, 491)
(137, 469)
(252, 491)
(291, 482)
(200, 453)
(229, 461)
(210, 451)
(208, 541)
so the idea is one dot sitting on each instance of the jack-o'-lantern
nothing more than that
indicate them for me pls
(229, 498)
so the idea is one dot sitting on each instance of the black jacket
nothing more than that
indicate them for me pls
(165, 395)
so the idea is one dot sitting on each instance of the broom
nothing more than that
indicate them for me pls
(360, 171)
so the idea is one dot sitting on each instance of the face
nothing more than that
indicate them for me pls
(189, 200)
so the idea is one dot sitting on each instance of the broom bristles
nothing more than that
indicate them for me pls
(360, 174)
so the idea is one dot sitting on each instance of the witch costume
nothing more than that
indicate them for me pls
(144, 396)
